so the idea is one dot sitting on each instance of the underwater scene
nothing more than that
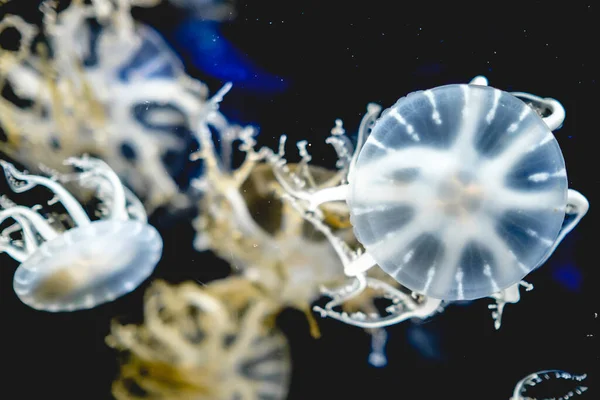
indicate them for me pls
(240, 200)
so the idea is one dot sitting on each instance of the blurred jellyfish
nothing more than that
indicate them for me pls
(99, 83)
(88, 264)
(547, 384)
(216, 341)
(457, 193)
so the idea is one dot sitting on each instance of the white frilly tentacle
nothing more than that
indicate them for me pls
(21, 182)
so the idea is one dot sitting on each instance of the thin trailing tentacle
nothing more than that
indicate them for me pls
(510, 295)
(377, 357)
(364, 129)
(21, 182)
(403, 307)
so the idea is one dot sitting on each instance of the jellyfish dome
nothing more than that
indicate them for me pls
(88, 265)
(459, 192)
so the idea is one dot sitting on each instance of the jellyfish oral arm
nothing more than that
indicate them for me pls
(360, 265)
(34, 219)
(557, 111)
(29, 221)
(102, 176)
(13, 251)
(337, 193)
(577, 207)
(404, 306)
(21, 182)
(510, 295)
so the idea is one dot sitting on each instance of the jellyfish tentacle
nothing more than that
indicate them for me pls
(30, 241)
(35, 220)
(541, 376)
(377, 356)
(404, 307)
(510, 295)
(557, 111)
(98, 172)
(364, 129)
(12, 250)
(577, 207)
(21, 182)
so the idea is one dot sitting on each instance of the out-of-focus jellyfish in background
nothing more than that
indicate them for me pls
(77, 262)
(98, 82)
(216, 341)
(457, 193)
(245, 219)
(549, 385)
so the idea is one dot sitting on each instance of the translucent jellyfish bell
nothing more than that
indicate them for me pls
(460, 191)
(90, 264)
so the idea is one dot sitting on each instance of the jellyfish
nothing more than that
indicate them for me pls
(247, 219)
(91, 263)
(214, 341)
(100, 83)
(244, 220)
(526, 385)
(456, 192)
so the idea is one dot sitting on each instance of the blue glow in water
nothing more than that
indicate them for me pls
(426, 342)
(211, 53)
(569, 276)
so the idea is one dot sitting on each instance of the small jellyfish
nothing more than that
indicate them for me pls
(525, 388)
(217, 342)
(459, 191)
(91, 263)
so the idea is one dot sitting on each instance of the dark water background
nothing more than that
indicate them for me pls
(335, 57)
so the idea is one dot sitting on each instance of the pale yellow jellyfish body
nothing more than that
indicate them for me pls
(213, 342)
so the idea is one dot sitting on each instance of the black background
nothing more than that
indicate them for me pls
(336, 59)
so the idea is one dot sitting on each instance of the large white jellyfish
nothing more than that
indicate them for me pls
(91, 263)
(215, 341)
(457, 193)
